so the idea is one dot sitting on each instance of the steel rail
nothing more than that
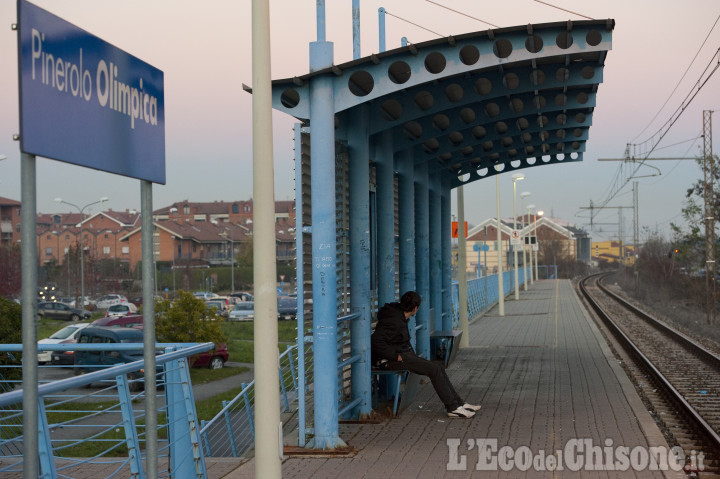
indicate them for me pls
(699, 426)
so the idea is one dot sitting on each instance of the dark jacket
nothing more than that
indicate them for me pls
(391, 336)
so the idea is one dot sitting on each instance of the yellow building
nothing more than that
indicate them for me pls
(609, 252)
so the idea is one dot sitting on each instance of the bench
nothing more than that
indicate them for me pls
(387, 384)
(444, 345)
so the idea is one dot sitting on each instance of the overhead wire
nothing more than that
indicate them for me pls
(679, 81)
(415, 24)
(461, 13)
(564, 10)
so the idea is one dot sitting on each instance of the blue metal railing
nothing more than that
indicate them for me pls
(231, 433)
(105, 427)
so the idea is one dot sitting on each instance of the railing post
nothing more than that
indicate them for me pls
(248, 408)
(231, 433)
(206, 439)
(128, 418)
(45, 451)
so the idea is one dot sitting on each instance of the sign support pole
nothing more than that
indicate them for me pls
(462, 269)
(148, 280)
(28, 194)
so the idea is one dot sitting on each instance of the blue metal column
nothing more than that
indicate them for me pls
(445, 228)
(406, 226)
(360, 329)
(385, 218)
(381, 29)
(356, 28)
(324, 247)
(422, 258)
(435, 255)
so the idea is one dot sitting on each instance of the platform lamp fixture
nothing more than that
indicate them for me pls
(515, 178)
(82, 242)
(523, 195)
(530, 209)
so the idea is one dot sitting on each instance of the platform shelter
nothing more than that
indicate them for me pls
(382, 142)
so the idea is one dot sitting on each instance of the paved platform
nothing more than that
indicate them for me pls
(547, 382)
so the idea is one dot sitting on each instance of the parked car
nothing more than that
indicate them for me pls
(88, 361)
(53, 310)
(104, 302)
(240, 296)
(214, 359)
(221, 305)
(122, 309)
(66, 334)
(129, 321)
(243, 312)
(63, 358)
(204, 295)
(287, 307)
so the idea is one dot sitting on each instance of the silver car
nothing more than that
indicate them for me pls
(243, 312)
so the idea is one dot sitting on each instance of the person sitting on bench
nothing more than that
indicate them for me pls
(391, 350)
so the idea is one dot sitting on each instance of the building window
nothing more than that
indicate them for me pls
(106, 250)
(56, 219)
(186, 209)
(67, 237)
(125, 250)
(106, 236)
(49, 236)
(48, 251)
(194, 248)
(235, 208)
(246, 209)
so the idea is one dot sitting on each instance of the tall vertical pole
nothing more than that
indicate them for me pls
(148, 278)
(356, 28)
(268, 428)
(636, 237)
(385, 218)
(515, 254)
(709, 173)
(434, 213)
(381, 29)
(446, 253)
(31, 466)
(324, 246)
(422, 258)
(462, 269)
(501, 285)
(360, 329)
(522, 240)
(406, 227)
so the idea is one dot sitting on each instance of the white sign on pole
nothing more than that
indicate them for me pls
(515, 238)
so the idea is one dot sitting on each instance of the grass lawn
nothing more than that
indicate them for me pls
(240, 338)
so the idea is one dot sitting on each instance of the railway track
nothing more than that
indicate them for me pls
(679, 378)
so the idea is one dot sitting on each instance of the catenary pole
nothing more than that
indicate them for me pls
(501, 282)
(267, 404)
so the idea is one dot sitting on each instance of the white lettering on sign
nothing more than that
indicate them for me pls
(68, 76)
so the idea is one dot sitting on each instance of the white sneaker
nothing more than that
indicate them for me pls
(471, 407)
(461, 412)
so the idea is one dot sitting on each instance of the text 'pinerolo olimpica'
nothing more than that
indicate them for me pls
(70, 76)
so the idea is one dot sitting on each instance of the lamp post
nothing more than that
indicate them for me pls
(523, 195)
(173, 210)
(532, 278)
(537, 242)
(82, 241)
(516, 177)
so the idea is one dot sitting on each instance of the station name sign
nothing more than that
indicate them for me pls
(86, 102)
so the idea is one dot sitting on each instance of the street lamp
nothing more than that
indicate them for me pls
(537, 242)
(82, 241)
(532, 278)
(516, 177)
(523, 195)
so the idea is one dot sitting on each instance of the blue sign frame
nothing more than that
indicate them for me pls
(84, 101)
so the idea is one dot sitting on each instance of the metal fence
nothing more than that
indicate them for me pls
(93, 423)
(231, 433)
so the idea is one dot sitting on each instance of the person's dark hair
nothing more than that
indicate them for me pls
(410, 301)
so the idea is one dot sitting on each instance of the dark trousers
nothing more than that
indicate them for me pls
(433, 370)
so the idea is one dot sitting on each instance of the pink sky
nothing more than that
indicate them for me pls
(204, 50)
